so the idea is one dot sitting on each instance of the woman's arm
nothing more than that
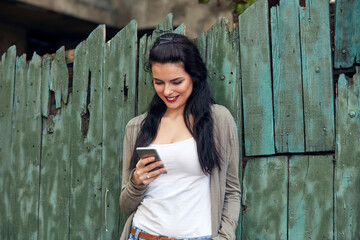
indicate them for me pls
(227, 133)
(131, 195)
(231, 208)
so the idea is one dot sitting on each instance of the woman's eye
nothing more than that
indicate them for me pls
(158, 83)
(176, 83)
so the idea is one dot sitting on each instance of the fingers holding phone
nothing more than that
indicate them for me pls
(149, 166)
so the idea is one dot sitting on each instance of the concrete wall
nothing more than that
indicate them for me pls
(148, 13)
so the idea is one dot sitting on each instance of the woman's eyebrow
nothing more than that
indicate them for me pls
(172, 80)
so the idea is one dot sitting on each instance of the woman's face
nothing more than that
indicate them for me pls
(172, 84)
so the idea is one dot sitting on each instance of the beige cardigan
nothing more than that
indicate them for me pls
(224, 183)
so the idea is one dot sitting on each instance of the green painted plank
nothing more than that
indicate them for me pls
(317, 76)
(265, 187)
(119, 107)
(180, 29)
(145, 84)
(86, 138)
(145, 90)
(256, 80)
(26, 148)
(311, 197)
(347, 178)
(223, 65)
(165, 26)
(7, 79)
(347, 33)
(55, 177)
(55, 164)
(45, 84)
(60, 81)
(287, 84)
(201, 45)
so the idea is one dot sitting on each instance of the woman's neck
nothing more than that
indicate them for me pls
(174, 113)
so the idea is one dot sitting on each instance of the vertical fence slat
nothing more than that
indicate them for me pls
(119, 108)
(145, 84)
(317, 76)
(347, 33)
(223, 67)
(144, 90)
(311, 197)
(180, 29)
(55, 163)
(26, 149)
(7, 79)
(265, 197)
(45, 85)
(86, 138)
(287, 85)
(201, 45)
(256, 80)
(347, 177)
(224, 73)
(59, 78)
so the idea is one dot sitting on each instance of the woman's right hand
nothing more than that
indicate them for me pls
(144, 173)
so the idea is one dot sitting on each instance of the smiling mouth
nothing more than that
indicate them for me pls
(171, 99)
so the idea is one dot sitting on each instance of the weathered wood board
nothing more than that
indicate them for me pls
(223, 67)
(145, 83)
(317, 76)
(256, 80)
(347, 170)
(311, 197)
(347, 33)
(55, 152)
(59, 83)
(7, 79)
(224, 73)
(45, 85)
(287, 81)
(265, 190)
(180, 29)
(119, 107)
(86, 138)
(201, 45)
(25, 149)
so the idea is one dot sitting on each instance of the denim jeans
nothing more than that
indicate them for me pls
(138, 230)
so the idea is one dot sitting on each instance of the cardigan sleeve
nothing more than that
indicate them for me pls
(231, 204)
(131, 195)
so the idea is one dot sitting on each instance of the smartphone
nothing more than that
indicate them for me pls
(149, 152)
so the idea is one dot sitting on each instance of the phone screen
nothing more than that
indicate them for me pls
(149, 152)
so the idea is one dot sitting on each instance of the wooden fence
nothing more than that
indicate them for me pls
(62, 120)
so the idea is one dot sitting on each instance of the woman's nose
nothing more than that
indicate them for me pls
(168, 90)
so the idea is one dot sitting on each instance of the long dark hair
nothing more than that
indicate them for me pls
(176, 48)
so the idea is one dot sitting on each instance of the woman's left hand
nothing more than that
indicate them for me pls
(145, 173)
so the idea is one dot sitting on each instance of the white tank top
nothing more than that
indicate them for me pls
(177, 204)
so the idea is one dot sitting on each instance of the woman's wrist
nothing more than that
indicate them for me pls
(136, 179)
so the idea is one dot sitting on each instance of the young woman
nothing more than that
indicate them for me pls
(199, 195)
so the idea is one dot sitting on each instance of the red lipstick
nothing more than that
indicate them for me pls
(172, 99)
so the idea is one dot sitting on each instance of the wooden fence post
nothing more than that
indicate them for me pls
(7, 80)
(119, 93)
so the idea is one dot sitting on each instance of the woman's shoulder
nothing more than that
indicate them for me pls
(224, 124)
(220, 112)
(222, 117)
(136, 121)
